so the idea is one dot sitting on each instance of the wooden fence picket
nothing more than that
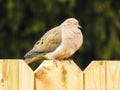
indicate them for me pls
(15, 75)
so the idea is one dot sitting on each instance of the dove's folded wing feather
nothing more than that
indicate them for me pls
(48, 43)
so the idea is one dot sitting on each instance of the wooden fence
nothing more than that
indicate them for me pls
(60, 75)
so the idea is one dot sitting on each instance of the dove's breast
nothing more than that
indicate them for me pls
(71, 41)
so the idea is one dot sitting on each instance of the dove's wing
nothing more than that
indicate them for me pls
(48, 43)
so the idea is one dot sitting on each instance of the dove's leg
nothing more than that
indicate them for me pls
(55, 62)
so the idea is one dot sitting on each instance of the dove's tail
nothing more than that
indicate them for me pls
(29, 60)
(33, 59)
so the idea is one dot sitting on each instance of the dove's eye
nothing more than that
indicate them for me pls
(73, 22)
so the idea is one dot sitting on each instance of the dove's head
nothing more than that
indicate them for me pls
(71, 22)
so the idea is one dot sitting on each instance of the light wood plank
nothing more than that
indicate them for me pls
(59, 75)
(9, 75)
(13, 74)
(26, 77)
(112, 75)
(94, 76)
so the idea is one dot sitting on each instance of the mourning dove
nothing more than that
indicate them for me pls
(58, 43)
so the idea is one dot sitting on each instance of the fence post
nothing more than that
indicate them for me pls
(94, 76)
(59, 75)
(113, 75)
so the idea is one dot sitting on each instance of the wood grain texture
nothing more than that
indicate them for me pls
(15, 75)
(112, 75)
(59, 75)
(94, 76)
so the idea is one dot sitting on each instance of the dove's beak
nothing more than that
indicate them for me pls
(79, 26)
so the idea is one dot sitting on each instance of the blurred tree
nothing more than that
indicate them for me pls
(23, 22)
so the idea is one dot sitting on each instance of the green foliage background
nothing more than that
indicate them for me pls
(23, 22)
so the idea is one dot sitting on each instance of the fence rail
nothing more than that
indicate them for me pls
(15, 74)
